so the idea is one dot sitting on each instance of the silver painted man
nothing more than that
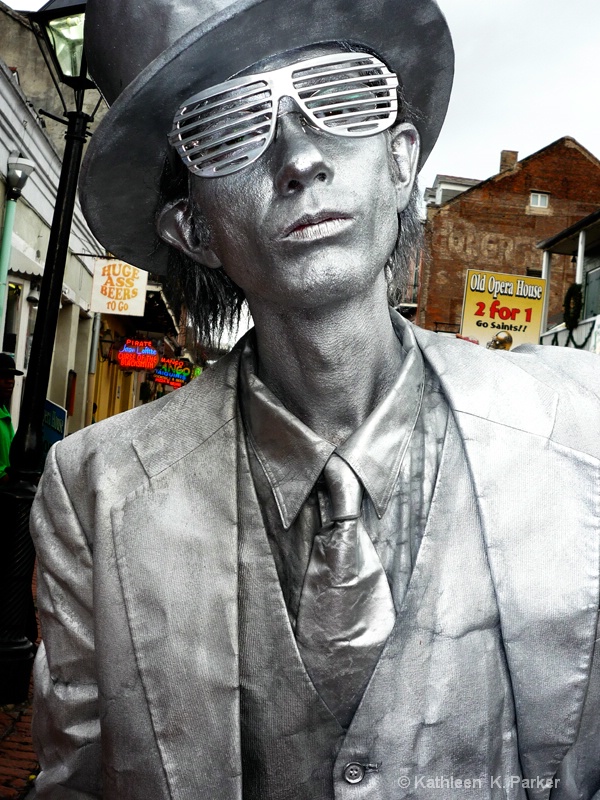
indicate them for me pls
(353, 559)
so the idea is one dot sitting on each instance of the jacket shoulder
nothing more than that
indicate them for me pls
(106, 455)
(550, 391)
(562, 365)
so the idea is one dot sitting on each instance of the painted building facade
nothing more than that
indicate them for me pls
(496, 224)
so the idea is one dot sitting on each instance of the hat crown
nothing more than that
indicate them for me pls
(123, 38)
(149, 56)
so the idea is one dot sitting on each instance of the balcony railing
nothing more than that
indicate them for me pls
(582, 337)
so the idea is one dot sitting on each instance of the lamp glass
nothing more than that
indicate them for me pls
(106, 343)
(19, 169)
(17, 179)
(66, 36)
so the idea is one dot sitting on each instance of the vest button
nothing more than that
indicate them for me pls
(353, 772)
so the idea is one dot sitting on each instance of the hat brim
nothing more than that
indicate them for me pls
(121, 172)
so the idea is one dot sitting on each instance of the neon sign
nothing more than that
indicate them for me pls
(174, 372)
(138, 354)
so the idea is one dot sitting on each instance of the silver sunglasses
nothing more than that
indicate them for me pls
(225, 128)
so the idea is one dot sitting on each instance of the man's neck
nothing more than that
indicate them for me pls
(329, 366)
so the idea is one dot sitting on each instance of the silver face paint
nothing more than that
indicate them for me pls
(313, 227)
(313, 220)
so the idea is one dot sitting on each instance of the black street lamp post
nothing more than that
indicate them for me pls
(58, 26)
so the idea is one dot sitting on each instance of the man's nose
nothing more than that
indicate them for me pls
(300, 157)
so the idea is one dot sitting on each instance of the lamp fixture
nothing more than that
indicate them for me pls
(34, 294)
(106, 342)
(19, 169)
(59, 24)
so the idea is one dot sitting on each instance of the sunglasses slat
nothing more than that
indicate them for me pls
(241, 124)
(339, 65)
(195, 106)
(318, 103)
(200, 118)
(237, 163)
(222, 164)
(227, 127)
(214, 149)
(349, 73)
(226, 132)
(352, 121)
(373, 81)
(365, 81)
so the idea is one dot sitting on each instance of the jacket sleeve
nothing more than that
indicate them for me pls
(66, 727)
(579, 775)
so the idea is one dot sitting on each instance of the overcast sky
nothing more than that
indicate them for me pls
(526, 74)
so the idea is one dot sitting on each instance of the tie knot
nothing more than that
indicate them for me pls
(345, 489)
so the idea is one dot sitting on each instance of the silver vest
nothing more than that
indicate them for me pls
(437, 717)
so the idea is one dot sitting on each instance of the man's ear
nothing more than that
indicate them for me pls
(406, 147)
(177, 227)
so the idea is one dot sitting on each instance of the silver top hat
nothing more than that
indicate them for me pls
(147, 57)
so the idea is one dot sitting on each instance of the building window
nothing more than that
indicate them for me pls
(539, 200)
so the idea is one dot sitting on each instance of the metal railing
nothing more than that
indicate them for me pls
(580, 337)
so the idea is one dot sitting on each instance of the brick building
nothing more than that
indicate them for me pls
(495, 225)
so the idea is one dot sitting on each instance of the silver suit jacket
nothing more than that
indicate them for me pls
(136, 527)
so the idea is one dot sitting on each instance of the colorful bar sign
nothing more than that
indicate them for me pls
(138, 354)
(501, 311)
(174, 372)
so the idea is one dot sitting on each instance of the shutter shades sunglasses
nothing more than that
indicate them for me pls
(223, 129)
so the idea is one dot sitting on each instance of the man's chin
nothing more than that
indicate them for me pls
(318, 297)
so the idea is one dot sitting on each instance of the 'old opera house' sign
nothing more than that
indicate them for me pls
(138, 354)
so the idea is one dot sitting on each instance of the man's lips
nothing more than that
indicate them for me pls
(316, 226)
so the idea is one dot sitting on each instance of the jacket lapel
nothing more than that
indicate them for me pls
(539, 511)
(177, 555)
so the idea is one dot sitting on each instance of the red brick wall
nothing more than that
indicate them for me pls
(491, 227)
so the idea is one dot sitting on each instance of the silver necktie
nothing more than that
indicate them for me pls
(346, 611)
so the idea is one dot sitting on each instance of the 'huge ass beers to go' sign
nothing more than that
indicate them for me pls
(118, 288)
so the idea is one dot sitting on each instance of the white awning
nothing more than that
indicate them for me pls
(22, 258)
